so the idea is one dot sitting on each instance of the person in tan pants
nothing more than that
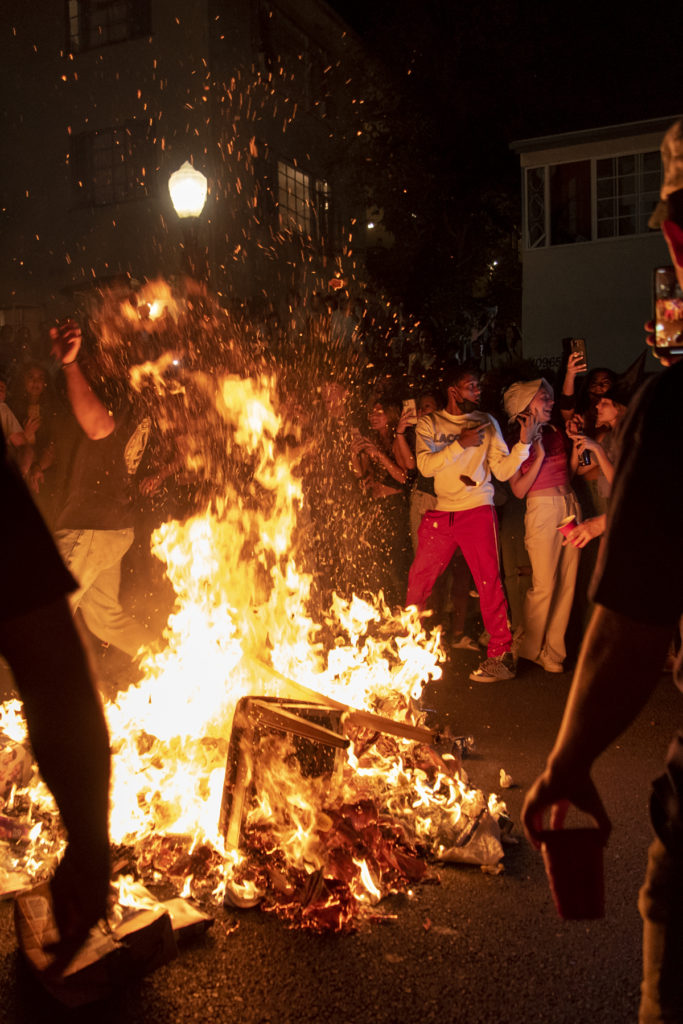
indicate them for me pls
(544, 480)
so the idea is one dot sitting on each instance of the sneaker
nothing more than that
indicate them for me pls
(463, 642)
(549, 664)
(493, 670)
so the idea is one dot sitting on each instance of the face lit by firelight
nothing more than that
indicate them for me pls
(541, 405)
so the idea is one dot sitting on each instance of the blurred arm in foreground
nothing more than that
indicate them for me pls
(63, 712)
(638, 589)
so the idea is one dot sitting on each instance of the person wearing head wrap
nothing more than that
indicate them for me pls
(543, 479)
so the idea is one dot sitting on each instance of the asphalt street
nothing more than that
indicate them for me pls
(476, 948)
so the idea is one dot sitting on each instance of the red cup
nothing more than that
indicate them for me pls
(567, 525)
(574, 866)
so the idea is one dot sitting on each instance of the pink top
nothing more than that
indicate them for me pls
(555, 469)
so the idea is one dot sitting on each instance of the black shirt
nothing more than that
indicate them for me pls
(33, 574)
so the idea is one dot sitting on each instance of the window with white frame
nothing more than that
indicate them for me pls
(585, 200)
(94, 23)
(303, 202)
(113, 165)
(627, 190)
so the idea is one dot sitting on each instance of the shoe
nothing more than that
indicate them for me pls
(493, 670)
(463, 642)
(549, 664)
(484, 638)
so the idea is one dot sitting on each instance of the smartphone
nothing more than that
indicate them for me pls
(409, 404)
(668, 312)
(579, 345)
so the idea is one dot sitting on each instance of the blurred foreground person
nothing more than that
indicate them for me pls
(638, 591)
(63, 712)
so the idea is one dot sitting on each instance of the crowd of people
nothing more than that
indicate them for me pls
(413, 489)
(420, 495)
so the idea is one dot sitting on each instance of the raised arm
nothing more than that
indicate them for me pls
(505, 463)
(92, 415)
(567, 403)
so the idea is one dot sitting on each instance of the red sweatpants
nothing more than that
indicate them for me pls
(475, 532)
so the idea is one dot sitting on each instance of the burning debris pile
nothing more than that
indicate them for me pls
(264, 757)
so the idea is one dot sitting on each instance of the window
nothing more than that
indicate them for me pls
(570, 203)
(114, 164)
(627, 190)
(584, 200)
(535, 206)
(93, 23)
(303, 202)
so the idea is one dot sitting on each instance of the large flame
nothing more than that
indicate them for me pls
(242, 627)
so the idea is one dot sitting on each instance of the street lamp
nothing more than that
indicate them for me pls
(188, 187)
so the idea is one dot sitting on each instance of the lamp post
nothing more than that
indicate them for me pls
(188, 187)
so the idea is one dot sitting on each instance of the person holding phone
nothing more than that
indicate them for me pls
(543, 479)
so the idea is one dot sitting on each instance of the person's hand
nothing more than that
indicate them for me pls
(472, 437)
(552, 793)
(66, 341)
(659, 354)
(150, 485)
(584, 443)
(362, 445)
(585, 532)
(576, 364)
(35, 478)
(529, 427)
(30, 428)
(575, 426)
(407, 420)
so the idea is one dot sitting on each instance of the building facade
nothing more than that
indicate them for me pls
(112, 96)
(588, 253)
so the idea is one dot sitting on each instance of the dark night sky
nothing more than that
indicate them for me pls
(468, 78)
(533, 67)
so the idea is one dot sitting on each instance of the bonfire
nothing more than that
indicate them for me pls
(343, 796)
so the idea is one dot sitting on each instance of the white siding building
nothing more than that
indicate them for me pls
(588, 253)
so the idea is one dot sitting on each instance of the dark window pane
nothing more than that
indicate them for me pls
(570, 203)
(605, 187)
(111, 165)
(652, 162)
(606, 208)
(93, 23)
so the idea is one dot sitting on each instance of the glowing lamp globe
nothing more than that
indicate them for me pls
(188, 191)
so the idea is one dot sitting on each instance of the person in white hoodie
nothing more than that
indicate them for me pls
(459, 447)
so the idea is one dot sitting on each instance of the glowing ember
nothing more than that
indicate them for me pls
(318, 846)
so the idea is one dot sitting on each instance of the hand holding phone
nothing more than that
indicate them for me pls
(577, 358)
(409, 412)
(668, 312)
